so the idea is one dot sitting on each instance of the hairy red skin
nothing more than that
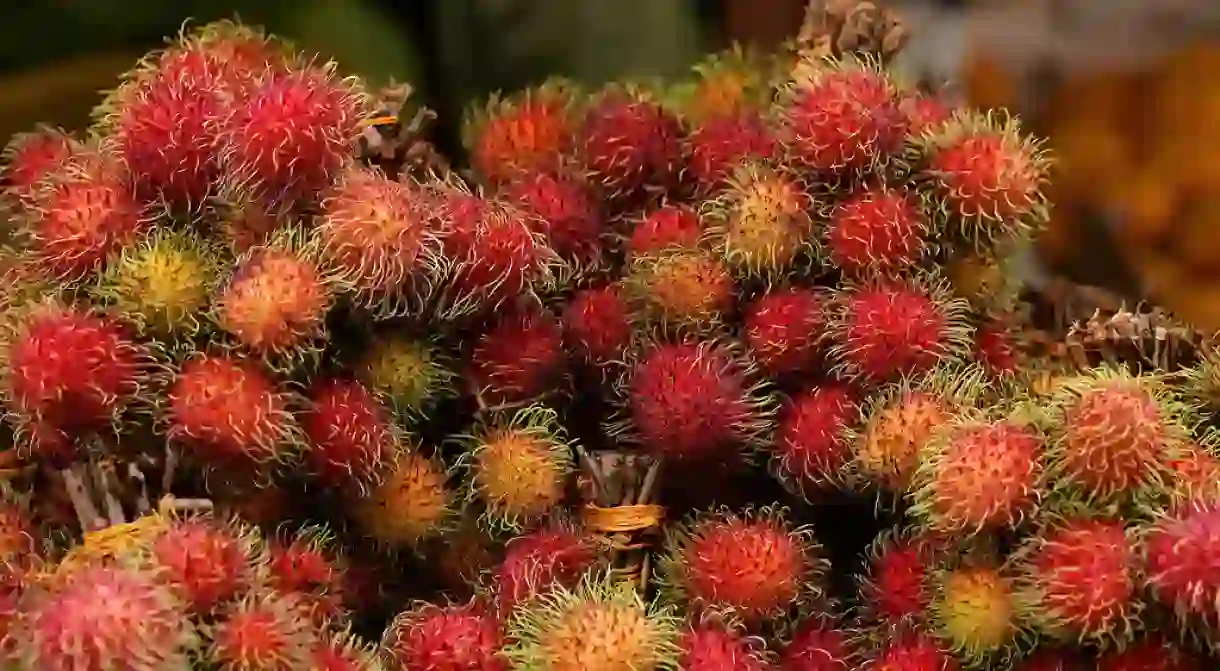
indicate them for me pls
(453, 637)
(350, 434)
(781, 328)
(667, 227)
(519, 358)
(810, 442)
(541, 558)
(721, 144)
(597, 325)
(707, 647)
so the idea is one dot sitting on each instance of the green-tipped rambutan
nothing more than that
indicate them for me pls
(713, 646)
(412, 504)
(526, 134)
(28, 158)
(163, 284)
(876, 230)
(520, 358)
(1200, 387)
(728, 83)
(430, 636)
(262, 631)
(975, 612)
(597, 325)
(565, 213)
(782, 330)
(754, 566)
(408, 374)
(680, 291)
(811, 450)
(666, 228)
(351, 435)
(555, 556)
(1180, 568)
(377, 239)
(308, 566)
(760, 224)
(987, 279)
(629, 145)
(601, 625)
(519, 467)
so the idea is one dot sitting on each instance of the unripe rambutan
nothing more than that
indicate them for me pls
(730, 82)
(412, 504)
(206, 562)
(267, 632)
(1078, 580)
(526, 134)
(877, 230)
(80, 215)
(892, 588)
(760, 224)
(601, 625)
(292, 135)
(975, 612)
(985, 176)
(429, 637)
(565, 213)
(597, 325)
(912, 652)
(98, 618)
(407, 374)
(888, 330)
(276, 301)
(720, 144)
(28, 158)
(227, 412)
(985, 279)
(666, 228)
(753, 566)
(1113, 435)
(1154, 653)
(782, 329)
(840, 115)
(376, 237)
(307, 567)
(1194, 474)
(520, 358)
(555, 556)
(1180, 567)
(816, 645)
(695, 402)
(519, 467)
(708, 646)
(495, 254)
(163, 284)
(351, 435)
(630, 146)
(680, 291)
(1200, 385)
(978, 475)
(811, 450)
(71, 370)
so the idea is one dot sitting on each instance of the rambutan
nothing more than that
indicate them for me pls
(208, 563)
(892, 589)
(666, 228)
(28, 158)
(731, 82)
(519, 467)
(597, 325)
(926, 112)
(811, 449)
(377, 239)
(351, 435)
(680, 291)
(307, 567)
(841, 115)
(1194, 474)
(1051, 659)
(1078, 578)
(816, 645)
(227, 412)
(1179, 564)
(98, 618)
(412, 504)
(754, 566)
(519, 358)
(231, 56)
(709, 646)
(276, 301)
(17, 533)
(407, 374)
(878, 230)
(163, 284)
(565, 213)
(1200, 386)
(781, 329)
(429, 636)
(984, 177)
(523, 135)
(1152, 653)
(996, 350)
(245, 224)
(718, 145)
(760, 223)
(986, 279)
(288, 140)
(1113, 434)
(912, 652)
(975, 612)
(270, 632)
(695, 402)
(886, 330)
(558, 555)
(344, 651)
(629, 145)
(978, 475)
(601, 625)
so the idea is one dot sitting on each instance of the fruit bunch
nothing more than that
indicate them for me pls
(636, 389)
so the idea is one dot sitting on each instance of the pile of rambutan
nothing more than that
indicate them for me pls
(708, 375)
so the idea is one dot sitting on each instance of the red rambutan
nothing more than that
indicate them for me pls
(1051, 659)
(714, 647)
(720, 144)
(268, 632)
(597, 325)
(912, 652)
(781, 330)
(518, 359)
(208, 563)
(817, 646)
(666, 228)
(232, 57)
(306, 567)
(876, 230)
(630, 145)
(926, 113)
(995, 348)
(1151, 654)
(565, 213)
(1180, 567)
(524, 135)
(430, 637)
(893, 590)
(351, 435)
(344, 651)
(1194, 474)
(28, 158)
(810, 446)
(537, 561)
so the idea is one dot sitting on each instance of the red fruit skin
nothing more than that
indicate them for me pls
(665, 228)
(229, 412)
(817, 647)
(290, 137)
(754, 568)
(453, 638)
(722, 143)
(781, 329)
(889, 332)
(597, 325)
(1152, 654)
(894, 591)
(984, 175)
(72, 371)
(1114, 436)
(925, 113)
(232, 64)
(540, 559)
(629, 145)
(272, 633)
(565, 212)
(1181, 569)
(913, 653)
(1052, 660)
(996, 350)
(689, 402)
(207, 564)
(879, 230)
(528, 138)
(1084, 575)
(811, 447)
(303, 569)
(988, 476)
(350, 434)
(17, 529)
(844, 120)
(520, 358)
(712, 648)
(29, 158)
